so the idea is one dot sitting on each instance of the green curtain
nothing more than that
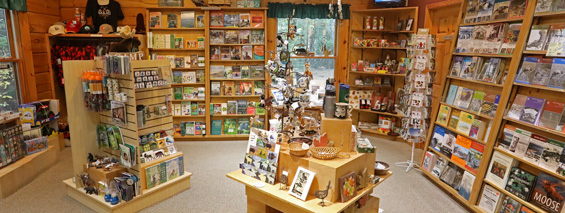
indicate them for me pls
(320, 11)
(17, 5)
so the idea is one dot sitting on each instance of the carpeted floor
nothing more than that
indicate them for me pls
(212, 191)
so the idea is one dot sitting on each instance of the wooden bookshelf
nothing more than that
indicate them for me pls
(441, 155)
(523, 202)
(539, 87)
(505, 91)
(467, 111)
(523, 161)
(461, 134)
(391, 32)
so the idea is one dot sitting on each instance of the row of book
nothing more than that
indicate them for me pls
(373, 81)
(188, 77)
(543, 72)
(230, 88)
(546, 37)
(464, 123)
(189, 93)
(478, 68)
(231, 126)
(190, 128)
(545, 6)
(239, 107)
(538, 111)
(192, 61)
(498, 38)
(251, 19)
(188, 19)
(172, 41)
(187, 108)
(475, 101)
(493, 200)
(237, 72)
(449, 173)
(487, 10)
(463, 151)
(237, 53)
(543, 190)
(160, 173)
(237, 37)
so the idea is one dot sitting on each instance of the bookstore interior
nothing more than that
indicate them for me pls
(282, 106)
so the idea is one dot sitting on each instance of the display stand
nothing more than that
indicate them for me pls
(84, 125)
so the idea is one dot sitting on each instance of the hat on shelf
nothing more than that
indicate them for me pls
(86, 29)
(126, 32)
(56, 29)
(105, 29)
(73, 26)
(61, 23)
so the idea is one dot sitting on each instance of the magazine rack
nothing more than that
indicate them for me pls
(84, 125)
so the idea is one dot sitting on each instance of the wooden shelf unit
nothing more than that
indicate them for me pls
(85, 123)
(390, 32)
(507, 92)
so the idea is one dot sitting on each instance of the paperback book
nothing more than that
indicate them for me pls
(532, 110)
(499, 169)
(548, 193)
(520, 183)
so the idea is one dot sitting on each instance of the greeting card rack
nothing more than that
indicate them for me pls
(504, 89)
(85, 123)
(394, 29)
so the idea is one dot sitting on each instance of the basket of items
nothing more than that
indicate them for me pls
(325, 153)
(296, 149)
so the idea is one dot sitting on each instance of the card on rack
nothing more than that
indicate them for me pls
(532, 110)
(500, 10)
(477, 101)
(551, 154)
(465, 122)
(535, 148)
(465, 98)
(417, 99)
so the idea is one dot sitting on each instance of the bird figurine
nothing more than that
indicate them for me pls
(321, 194)
(283, 180)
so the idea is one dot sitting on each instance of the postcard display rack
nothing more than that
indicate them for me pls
(378, 39)
(85, 124)
(475, 185)
(200, 32)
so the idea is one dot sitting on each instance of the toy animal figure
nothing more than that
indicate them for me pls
(321, 194)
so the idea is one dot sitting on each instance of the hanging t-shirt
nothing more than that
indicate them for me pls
(104, 14)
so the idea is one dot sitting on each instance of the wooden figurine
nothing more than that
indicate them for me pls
(362, 179)
(321, 194)
(283, 180)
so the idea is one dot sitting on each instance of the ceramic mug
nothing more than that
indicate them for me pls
(342, 110)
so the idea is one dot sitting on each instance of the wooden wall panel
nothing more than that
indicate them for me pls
(47, 7)
(130, 14)
(38, 42)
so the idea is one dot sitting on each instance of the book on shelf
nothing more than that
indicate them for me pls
(551, 115)
(259, 52)
(216, 127)
(228, 72)
(464, 73)
(509, 205)
(543, 6)
(499, 169)
(232, 107)
(236, 72)
(464, 39)
(541, 74)
(177, 93)
(557, 75)
(478, 129)
(475, 156)
(225, 53)
(500, 9)
(217, 71)
(188, 77)
(177, 77)
(259, 110)
(557, 6)
(532, 110)
(439, 166)
(216, 36)
(189, 128)
(517, 9)
(244, 36)
(507, 137)
(471, 12)
(520, 183)
(479, 38)
(458, 63)
(490, 199)
(466, 186)
(476, 63)
(527, 70)
(245, 72)
(517, 107)
(464, 98)
(510, 39)
(485, 10)
(555, 35)
(200, 21)
(244, 20)
(521, 141)
(465, 122)
(200, 76)
(461, 150)
(438, 138)
(548, 193)
(193, 108)
(451, 94)
(243, 126)
(216, 88)
(186, 108)
(172, 20)
(155, 19)
(257, 19)
(448, 145)
(231, 20)
(538, 37)
(230, 126)
(487, 104)
(251, 109)
(246, 53)
(477, 101)
(260, 124)
(429, 160)
(257, 37)
(495, 38)
(443, 114)
(224, 108)
(454, 119)
(187, 19)
(235, 53)
(257, 71)
(551, 154)
(453, 175)
(228, 88)
(241, 107)
(259, 87)
(535, 148)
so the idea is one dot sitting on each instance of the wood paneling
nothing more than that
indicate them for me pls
(38, 42)
(130, 14)
(40, 23)
(47, 7)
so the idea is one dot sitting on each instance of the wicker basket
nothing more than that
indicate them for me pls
(325, 153)
(295, 149)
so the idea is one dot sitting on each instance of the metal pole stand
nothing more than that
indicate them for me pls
(410, 164)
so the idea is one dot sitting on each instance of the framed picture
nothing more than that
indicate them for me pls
(347, 187)
(409, 24)
(399, 26)
(301, 183)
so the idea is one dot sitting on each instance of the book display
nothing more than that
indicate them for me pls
(217, 57)
(127, 160)
(470, 116)
(377, 66)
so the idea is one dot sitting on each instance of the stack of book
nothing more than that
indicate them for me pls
(172, 41)
(253, 19)
(480, 69)
(239, 107)
(542, 72)
(187, 108)
(231, 88)
(189, 93)
(498, 38)
(189, 77)
(187, 20)
(190, 128)
(192, 61)
(246, 52)
(237, 72)
(451, 174)
(538, 112)
(548, 38)
(476, 101)
(480, 11)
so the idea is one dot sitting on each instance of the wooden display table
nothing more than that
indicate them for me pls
(270, 199)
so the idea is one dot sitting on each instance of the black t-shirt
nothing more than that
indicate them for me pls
(104, 14)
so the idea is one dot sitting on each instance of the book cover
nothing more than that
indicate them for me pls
(527, 71)
(454, 119)
(230, 126)
(232, 107)
(461, 150)
(466, 185)
(257, 19)
(457, 65)
(224, 108)
(520, 183)
(495, 38)
(538, 37)
(541, 74)
(188, 93)
(251, 108)
(225, 53)
(259, 87)
(235, 53)
(449, 173)
(551, 154)
(489, 199)
(200, 76)
(475, 156)
(193, 108)
(259, 52)
(428, 159)
(217, 71)
(229, 88)
(187, 19)
(258, 109)
(517, 8)
(177, 77)
(247, 53)
(478, 129)
(443, 114)
(479, 38)
(243, 126)
(465, 122)
(509, 205)
(556, 33)
(231, 37)
(217, 18)
(476, 64)
(548, 193)
(217, 109)
(216, 37)
(510, 39)
(465, 98)
(472, 11)
(477, 101)
(500, 10)
(228, 72)
(257, 37)
(488, 104)
(214, 53)
(189, 128)
(464, 39)
(451, 94)
(557, 75)
(241, 107)
(172, 21)
(532, 110)
(551, 114)
(465, 70)
(507, 137)
(517, 107)
(495, 66)
(495, 107)
(520, 142)
(535, 148)
(245, 72)
(257, 71)
(543, 6)
(485, 10)
(215, 88)
(449, 141)
(499, 169)
(190, 77)
(155, 19)
(439, 166)
(231, 20)
(438, 138)
(558, 5)
(216, 127)
(177, 93)
(244, 20)
(200, 21)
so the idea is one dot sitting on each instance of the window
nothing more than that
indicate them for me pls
(9, 89)
(318, 36)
